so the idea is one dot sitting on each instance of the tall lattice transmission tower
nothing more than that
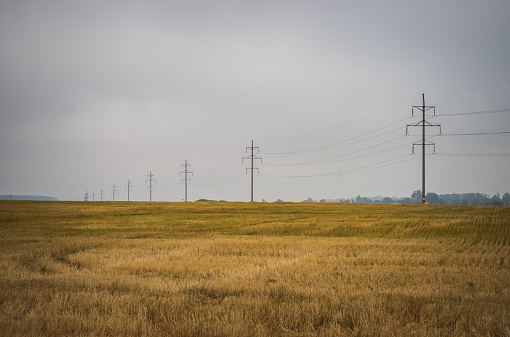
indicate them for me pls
(151, 186)
(423, 123)
(186, 179)
(252, 158)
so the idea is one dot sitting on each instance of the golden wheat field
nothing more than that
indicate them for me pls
(253, 269)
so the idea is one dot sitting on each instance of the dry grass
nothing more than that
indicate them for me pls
(237, 269)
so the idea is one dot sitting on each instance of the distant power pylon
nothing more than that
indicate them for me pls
(129, 188)
(101, 194)
(86, 196)
(423, 123)
(150, 187)
(252, 168)
(186, 165)
(114, 192)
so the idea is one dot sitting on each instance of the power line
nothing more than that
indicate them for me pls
(186, 165)
(379, 165)
(466, 89)
(353, 170)
(219, 155)
(252, 158)
(226, 182)
(329, 160)
(474, 113)
(114, 192)
(379, 112)
(341, 143)
(219, 175)
(220, 166)
(342, 124)
(423, 123)
(150, 187)
(129, 188)
(343, 159)
(475, 134)
(473, 154)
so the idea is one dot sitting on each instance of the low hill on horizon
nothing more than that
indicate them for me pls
(27, 197)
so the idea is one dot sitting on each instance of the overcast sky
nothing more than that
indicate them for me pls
(96, 93)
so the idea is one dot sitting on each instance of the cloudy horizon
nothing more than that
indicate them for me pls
(93, 94)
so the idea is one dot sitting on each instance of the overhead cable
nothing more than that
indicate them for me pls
(353, 170)
(341, 143)
(466, 89)
(474, 113)
(473, 154)
(475, 134)
(339, 125)
(321, 162)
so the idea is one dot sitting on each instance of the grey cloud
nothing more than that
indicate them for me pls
(160, 80)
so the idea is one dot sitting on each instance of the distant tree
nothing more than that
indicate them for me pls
(264, 200)
(387, 200)
(406, 200)
(322, 200)
(451, 199)
(279, 200)
(475, 199)
(309, 200)
(433, 198)
(462, 199)
(363, 200)
(469, 198)
(416, 196)
(506, 199)
(496, 201)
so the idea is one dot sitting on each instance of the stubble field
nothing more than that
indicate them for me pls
(253, 269)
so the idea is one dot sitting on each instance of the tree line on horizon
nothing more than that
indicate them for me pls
(415, 198)
(437, 199)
